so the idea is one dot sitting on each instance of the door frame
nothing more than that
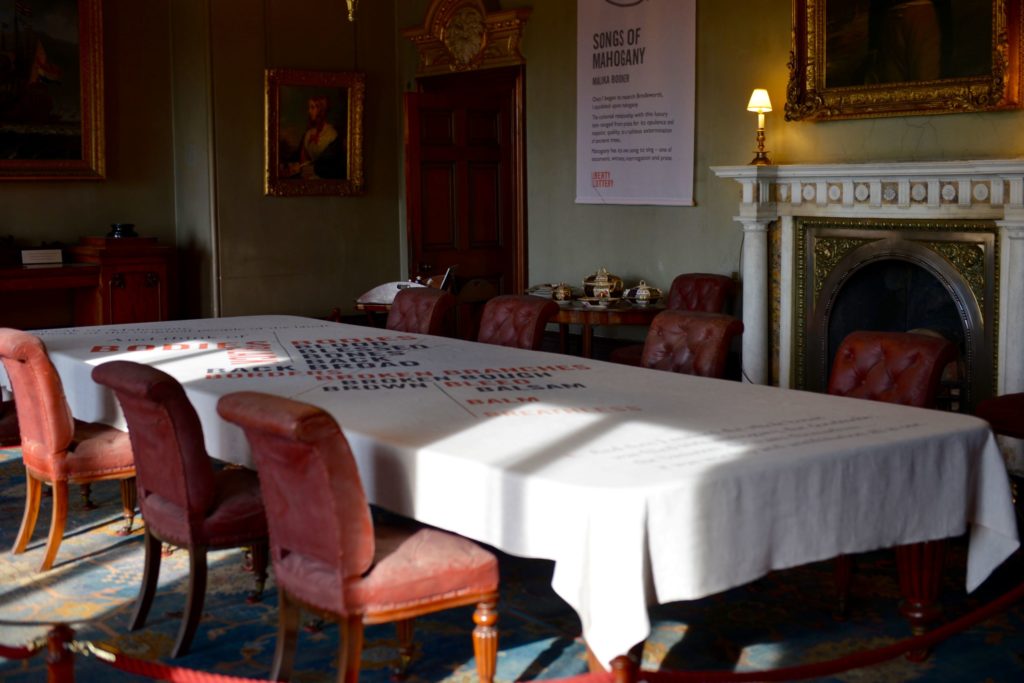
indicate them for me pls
(467, 83)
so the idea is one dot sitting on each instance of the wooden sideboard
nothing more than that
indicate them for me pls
(108, 281)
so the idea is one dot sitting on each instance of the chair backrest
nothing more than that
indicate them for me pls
(172, 467)
(896, 367)
(44, 417)
(691, 343)
(511, 320)
(423, 310)
(317, 512)
(706, 292)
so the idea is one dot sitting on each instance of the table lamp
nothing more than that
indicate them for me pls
(760, 103)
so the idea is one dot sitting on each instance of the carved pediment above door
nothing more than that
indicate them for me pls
(460, 35)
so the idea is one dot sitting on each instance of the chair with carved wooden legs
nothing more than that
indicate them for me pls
(693, 292)
(57, 449)
(423, 310)
(345, 567)
(183, 499)
(895, 367)
(690, 343)
(516, 320)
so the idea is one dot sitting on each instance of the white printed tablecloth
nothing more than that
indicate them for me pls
(642, 486)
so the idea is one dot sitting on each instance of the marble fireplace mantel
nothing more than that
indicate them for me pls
(987, 190)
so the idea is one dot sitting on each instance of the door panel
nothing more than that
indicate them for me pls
(437, 197)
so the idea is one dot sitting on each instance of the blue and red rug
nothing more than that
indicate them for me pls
(785, 619)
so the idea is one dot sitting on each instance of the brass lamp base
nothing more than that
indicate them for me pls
(760, 156)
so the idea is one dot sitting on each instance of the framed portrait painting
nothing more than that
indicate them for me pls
(864, 58)
(314, 132)
(51, 90)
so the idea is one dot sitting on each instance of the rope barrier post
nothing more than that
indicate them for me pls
(60, 661)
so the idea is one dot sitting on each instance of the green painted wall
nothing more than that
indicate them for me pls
(184, 101)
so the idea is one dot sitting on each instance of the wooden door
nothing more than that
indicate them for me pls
(465, 190)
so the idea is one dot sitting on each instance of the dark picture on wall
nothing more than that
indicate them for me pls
(314, 132)
(860, 58)
(51, 90)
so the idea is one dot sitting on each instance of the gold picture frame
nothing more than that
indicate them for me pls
(51, 93)
(953, 57)
(314, 132)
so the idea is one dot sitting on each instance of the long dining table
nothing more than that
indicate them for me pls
(643, 486)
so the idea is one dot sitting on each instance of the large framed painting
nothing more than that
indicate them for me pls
(51, 90)
(314, 132)
(863, 58)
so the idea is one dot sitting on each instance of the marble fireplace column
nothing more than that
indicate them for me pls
(756, 369)
(1011, 305)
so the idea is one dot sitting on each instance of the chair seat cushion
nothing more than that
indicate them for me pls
(413, 567)
(99, 451)
(1005, 414)
(235, 518)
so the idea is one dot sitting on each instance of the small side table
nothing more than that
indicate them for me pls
(588, 317)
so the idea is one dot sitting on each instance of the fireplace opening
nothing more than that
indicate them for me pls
(894, 295)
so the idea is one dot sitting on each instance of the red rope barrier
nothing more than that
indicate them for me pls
(855, 660)
(19, 652)
(625, 671)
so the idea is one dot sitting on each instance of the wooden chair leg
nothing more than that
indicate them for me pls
(350, 648)
(86, 491)
(57, 521)
(196, 597)
(406, 648)
(485, 640)
(33, 495)
(150, 574)
(260, 559)
(287, 635)
(128, 496)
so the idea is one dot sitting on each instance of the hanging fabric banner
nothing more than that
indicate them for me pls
(635, 101)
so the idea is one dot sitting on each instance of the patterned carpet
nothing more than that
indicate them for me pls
(785, 619)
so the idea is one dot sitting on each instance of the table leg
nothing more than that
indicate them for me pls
(563, 338)
(920, 570)
(587, 333)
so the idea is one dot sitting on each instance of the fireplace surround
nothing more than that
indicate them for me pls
(959, 222)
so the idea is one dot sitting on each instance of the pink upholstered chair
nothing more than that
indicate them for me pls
(517, 321)
(895, 367)
(701, 292)
(57, 449)
(342, 566)
(183, 499)
(690, 343)
(423, 310)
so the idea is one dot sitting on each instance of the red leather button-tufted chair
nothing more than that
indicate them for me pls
(183, 500)
(56, 448)
(1005, 413)
(423, 310)
(343, 566)
(701, 292)
(895, 367)
(690, 343)
(517, 321)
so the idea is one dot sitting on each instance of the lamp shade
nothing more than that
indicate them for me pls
(759, 101)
